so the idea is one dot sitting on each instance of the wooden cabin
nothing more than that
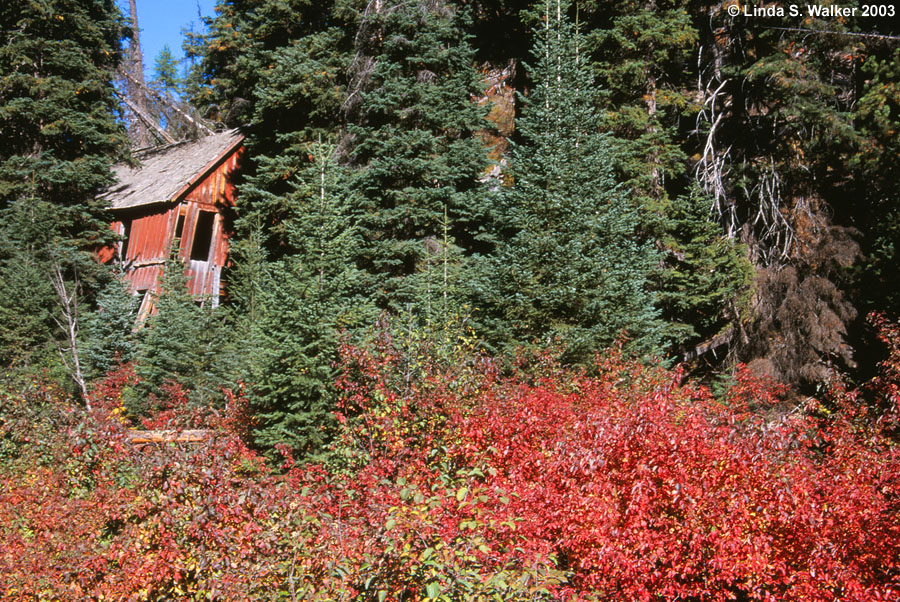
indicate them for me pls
(175, 197)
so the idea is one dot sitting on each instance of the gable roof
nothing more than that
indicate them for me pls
(167, 173)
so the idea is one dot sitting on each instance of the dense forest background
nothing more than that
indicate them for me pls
(696, 186)
(447, 205)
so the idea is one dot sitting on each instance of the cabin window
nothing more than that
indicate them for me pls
(203, 236)
(146, 300)
(126, 235)
(179, 227)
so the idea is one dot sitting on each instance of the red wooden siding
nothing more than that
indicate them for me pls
(153, 226)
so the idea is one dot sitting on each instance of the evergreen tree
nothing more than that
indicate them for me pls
(165, 96)
(573, 267)
(58, 135)
(877, 166)
(773, 146)
(281, 69)
(645, 52)
(704, 287)
(187, 342)
(236, 50)
(437, 290)
(165, 72)
(109, 337)
(297, 307)
(646, 59)
(297, 101)
(413, 134)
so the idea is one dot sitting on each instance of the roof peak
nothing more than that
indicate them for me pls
(165, 172)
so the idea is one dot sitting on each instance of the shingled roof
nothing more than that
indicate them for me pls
(167, 173)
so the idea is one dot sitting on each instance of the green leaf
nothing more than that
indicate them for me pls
(461, 494)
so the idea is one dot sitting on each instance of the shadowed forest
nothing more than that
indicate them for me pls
(551, 300)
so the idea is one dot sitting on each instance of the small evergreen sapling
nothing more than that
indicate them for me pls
(187, 343)
(109, 333)
(295, 308)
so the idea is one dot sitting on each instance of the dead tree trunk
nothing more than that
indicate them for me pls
(68, 323)
(133, 67)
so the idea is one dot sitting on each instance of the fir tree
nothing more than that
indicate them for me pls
(165, 72)
(297, 102)
(281, 70)
(109, 337)
(877, 166)
(413, 134)
(573, 266)
(646, 59)
(187, 342)
(644, 54)
(704, 287)
(58, 135)
(298, 306)
(236, 51)
(165, 96)
(437, 291)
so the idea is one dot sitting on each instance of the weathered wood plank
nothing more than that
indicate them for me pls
(169, 436)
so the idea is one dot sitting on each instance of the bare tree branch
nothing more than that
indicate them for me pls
(147, 120)
(197, 123)
(68, 303)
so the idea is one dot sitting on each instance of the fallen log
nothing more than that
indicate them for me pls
(169, 436)
(708, 345)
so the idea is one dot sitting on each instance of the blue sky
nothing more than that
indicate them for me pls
(161, 22)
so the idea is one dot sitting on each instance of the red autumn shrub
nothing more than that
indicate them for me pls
(641, 487)
(402, 520)
(885, 387)
(85, 514)
(656, 491)
(458, 483)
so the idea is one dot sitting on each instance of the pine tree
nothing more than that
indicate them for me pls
(573, 267)
(58, 135)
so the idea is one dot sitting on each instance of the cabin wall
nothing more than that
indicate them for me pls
(151, 233)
